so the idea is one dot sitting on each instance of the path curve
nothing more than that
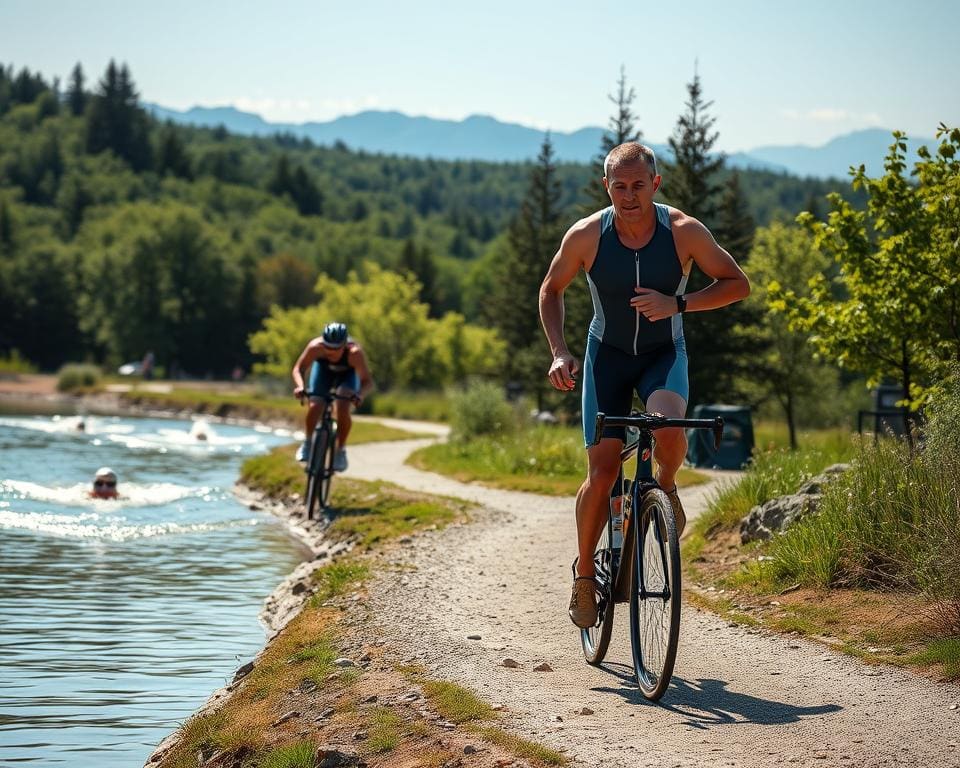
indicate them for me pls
(740, 697)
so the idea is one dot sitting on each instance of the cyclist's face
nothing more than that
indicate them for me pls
(631, 187)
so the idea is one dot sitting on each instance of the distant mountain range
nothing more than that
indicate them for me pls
(481, 137)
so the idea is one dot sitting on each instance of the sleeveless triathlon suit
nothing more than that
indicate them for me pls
(326, 375)
(625, 351)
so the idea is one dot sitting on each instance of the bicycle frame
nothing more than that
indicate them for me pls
(643, 482)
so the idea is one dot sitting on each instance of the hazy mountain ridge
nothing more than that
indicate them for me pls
(481, 137)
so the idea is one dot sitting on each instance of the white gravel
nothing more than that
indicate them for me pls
(738, 698)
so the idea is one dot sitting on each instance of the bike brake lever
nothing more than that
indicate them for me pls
(717, 433)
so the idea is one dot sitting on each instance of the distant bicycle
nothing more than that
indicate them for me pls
(637, 558)
(323, 449)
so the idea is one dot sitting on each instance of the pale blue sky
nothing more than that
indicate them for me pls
(777, 72)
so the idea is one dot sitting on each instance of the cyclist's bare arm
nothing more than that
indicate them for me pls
(358, 361)
(695, 243)
(577, 250)
(306, 359)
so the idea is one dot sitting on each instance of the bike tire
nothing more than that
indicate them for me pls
(326, 475)
(655, 595)
(596, 639)
(315, 470)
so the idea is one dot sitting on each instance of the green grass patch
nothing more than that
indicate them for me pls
(945, 651)
(456, 703)
(405, 404)
(538, 459)
(384, 730)
(521, 747)
(333, 579)
(14, 365)
(299, 755)
(277, 473)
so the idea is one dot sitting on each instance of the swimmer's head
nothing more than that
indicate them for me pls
(104, 484)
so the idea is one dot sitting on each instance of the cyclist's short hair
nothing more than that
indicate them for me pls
(630, 152)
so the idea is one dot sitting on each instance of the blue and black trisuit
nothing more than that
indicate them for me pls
(327, 375)
(625, 351)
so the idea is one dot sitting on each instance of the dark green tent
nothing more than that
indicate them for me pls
(737, 443)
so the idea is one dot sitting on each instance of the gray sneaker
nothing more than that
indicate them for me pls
(304, 450)
(340, 461)
(583, 602)
(678, 513)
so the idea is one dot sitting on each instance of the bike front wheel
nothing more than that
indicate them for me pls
(315, 470)
(655, 595)
(326, 471)
(596, 639)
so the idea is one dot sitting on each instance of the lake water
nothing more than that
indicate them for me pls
(118, 618)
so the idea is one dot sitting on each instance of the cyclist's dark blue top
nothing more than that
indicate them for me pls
(613, 276)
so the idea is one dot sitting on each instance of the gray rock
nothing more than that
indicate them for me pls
(243, 671)
(343, 662)
(543, 668)
(776, 515)
(510, 663)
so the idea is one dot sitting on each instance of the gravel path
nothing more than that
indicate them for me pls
(739, 697)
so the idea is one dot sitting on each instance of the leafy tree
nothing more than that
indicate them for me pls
(76, 96)
(533, 238)
(894, 310)
(382, 310)
(284, 281)
(782, 364)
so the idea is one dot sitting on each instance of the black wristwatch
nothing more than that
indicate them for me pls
(681, 304)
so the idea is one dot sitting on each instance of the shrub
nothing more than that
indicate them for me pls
(74, 376)
(14, 365)
(480, 409)
(892, 522)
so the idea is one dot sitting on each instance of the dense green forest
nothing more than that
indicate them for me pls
(120, 234)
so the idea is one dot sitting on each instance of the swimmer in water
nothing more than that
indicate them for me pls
(104, 484)
(200, 431)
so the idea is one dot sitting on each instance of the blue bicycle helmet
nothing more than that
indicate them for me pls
(335, 335)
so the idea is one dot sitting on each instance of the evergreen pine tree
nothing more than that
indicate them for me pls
(715, 350)
(692, 180)
(116, 122)
(172, 154)
(6, 226)
(76, 97)
(622, 128)
(419, 262)
(735, 226)
(533, 237)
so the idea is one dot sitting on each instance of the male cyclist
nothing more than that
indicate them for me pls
(336, 363)
(637, 256)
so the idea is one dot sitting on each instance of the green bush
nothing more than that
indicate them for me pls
(74, 376)
(407, 404)
(892, 522)
(13, 364)
(480, 409)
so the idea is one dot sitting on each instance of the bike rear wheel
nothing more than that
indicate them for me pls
(596, 639)
(326, 475)
(655, 595)
(315, 469)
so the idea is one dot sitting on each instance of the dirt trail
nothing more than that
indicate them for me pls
(739, 697)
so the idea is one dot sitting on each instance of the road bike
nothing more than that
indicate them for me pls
(637, 558)
(323, 450)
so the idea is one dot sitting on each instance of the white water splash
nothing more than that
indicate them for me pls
(131, 494)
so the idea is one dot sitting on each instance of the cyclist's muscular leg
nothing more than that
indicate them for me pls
(342, 413)
(313, 416)
(593, 499)
(671, 444)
